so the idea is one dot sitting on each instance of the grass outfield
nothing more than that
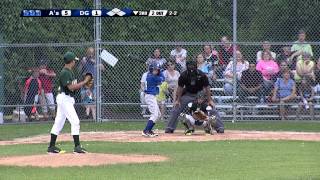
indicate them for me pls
(187, 160)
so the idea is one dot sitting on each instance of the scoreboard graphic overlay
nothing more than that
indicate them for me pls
(115, 12)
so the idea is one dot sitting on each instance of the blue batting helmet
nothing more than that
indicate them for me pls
(154, 66)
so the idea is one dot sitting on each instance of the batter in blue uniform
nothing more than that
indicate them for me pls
(154, 79)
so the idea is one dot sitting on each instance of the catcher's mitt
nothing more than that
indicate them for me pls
(200, 115)
(90, 77)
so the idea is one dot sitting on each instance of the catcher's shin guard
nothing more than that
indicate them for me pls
(189, 128)
(209, 126)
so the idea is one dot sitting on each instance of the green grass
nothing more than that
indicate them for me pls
(188, 160)
(8, 132)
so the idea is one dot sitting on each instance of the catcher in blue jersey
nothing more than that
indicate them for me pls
(154, 80)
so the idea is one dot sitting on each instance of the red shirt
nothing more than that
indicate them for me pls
(46, 82)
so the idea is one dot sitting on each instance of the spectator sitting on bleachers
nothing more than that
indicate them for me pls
(283, 67)
(156, 58)
(203, 65)
(226, 51)
(284, 92)
(306, 93)
(301, 46)
(284, 56)
(211, 56)
(251, 83)
(305, 68)
(268, 68)
(317, 78)
(171, 76)
(241, 65)
(266, 46)
(179, 55)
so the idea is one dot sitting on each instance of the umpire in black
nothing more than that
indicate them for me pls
(190, 83)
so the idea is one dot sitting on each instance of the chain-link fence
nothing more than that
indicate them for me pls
(242, 79)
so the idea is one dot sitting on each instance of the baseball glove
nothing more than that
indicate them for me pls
(90, 76)
(200, 115)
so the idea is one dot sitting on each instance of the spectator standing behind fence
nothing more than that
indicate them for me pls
(162, 97)
(211, 56)
(32, 91)
(301, 46)
(156, 58)
(305, 68)
(88, 64)
(284, 56)
(171, 76)
(251, 83)
(268, 68)
(241, 65)
(266, 46)
(306, 93)
(317, 78)
(284, 92)
(180, 56)
(47, 99)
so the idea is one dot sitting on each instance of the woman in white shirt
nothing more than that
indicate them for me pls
(171, 76)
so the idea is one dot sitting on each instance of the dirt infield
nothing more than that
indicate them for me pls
(135, 136)
(69, 160)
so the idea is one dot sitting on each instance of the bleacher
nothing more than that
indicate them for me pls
(251, 111)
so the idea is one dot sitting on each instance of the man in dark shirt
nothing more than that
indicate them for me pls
(190, 83)
(251, 83)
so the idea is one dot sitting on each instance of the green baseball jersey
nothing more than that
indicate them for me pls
(66, 77)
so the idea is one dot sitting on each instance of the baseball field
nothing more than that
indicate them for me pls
(118, 152)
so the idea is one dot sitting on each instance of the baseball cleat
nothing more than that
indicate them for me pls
(79, 150)
(55, 150)
(189, 132)
(149, 134)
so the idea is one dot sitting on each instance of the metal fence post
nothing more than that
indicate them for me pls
(97, 44)
(234, 45)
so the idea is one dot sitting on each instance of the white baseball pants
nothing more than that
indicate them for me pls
(153, 107)
(65, 109)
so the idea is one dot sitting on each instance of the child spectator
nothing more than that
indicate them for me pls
(88, 98)
(161, 98)
(306, 93)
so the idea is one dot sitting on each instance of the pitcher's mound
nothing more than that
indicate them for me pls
(88, 159)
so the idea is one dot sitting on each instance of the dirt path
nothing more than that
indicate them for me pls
(135, 136)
